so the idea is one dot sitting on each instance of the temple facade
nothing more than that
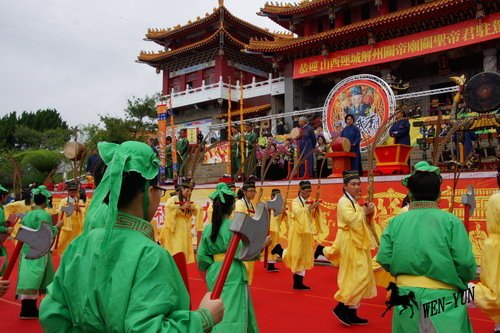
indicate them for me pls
(414, 45)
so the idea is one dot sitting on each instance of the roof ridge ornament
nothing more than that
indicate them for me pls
(221, 3)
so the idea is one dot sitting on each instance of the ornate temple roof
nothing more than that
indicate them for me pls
(304, 7)
(403, 17)
(247, 111)
(219, 14)
(212, 40)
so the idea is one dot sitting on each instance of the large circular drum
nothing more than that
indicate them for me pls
(341, 144)
(74, 151)
(296, 133)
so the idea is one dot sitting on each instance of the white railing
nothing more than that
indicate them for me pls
(220, 90)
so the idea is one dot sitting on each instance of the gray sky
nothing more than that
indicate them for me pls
(78, 56)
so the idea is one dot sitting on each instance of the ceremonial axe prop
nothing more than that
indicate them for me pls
(11, 222)
(39, 242)
(469, 202)
(252, 231)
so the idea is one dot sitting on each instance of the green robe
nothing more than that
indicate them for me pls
(239, 314)
(35, 275)
(182, 146)
(235, 155)
(3, 250)
(135, 287)
(169, 171)
(251, 139)
(433, 243)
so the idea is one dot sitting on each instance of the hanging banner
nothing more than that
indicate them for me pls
(431, 41)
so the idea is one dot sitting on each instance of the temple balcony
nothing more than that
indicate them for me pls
(220, 90)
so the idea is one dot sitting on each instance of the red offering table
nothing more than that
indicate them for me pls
(341, 160)
(392, 159)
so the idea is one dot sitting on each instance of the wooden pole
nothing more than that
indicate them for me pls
(228, 166)
(172, 133)
(242, 139)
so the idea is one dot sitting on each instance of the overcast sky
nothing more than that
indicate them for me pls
(78, 56)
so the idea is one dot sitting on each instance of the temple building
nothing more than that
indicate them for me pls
(202, 58)
(413, 45)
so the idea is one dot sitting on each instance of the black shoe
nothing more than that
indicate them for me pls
(341, 311)
(277, 250)
(319, 251)
(271, 267)
(298, 282)
(355, 320)
(28, 309)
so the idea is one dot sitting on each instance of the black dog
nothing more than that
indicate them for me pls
(396, 299)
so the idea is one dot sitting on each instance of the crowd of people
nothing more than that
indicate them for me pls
(114, 275)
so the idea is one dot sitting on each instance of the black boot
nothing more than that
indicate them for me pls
(355, 320)
(341, 311)
(271, 267)
(28, 309)
(277, 250)
(298, 282)
(319, 251)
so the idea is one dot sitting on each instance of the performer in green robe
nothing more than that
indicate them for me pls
(169, 171)
(3, 227)
(235, 151)
(115, 278)
(35, 274)
(430, 254)
(239, 314)
(251, 139)
(182, 146)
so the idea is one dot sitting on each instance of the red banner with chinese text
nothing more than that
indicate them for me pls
(453, 36)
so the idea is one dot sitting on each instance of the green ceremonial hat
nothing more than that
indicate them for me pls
(350, 175)
(119, 158)
(304, 185)
(3, 189)
(219, 192)
(421, 166)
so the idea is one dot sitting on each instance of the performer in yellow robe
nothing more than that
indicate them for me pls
(351, 253)
(73, 225)
(299, 256)
(274, 233)
(175, 235)
(487, 291)
(244, 205)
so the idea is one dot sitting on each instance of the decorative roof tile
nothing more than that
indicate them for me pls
(405, 16)
(248, 110)
(152, 57)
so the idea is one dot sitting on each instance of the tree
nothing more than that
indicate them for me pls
(7, 131)
(142, 112)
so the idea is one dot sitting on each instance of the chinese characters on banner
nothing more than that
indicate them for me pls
(453, 36)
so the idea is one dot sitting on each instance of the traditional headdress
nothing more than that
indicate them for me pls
(219, 192)
(275, 191)
(42, 189)
(421, 166)
(350, 175)
(304, 185)
(72, 186)
(248, 185)
(119, 158)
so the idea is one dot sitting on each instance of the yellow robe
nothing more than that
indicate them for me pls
(299, 255)
(72, 226)
(241, 207)
(16, 207)
(487, 292)
(175, 236)
(274, 233)
(351, 252)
